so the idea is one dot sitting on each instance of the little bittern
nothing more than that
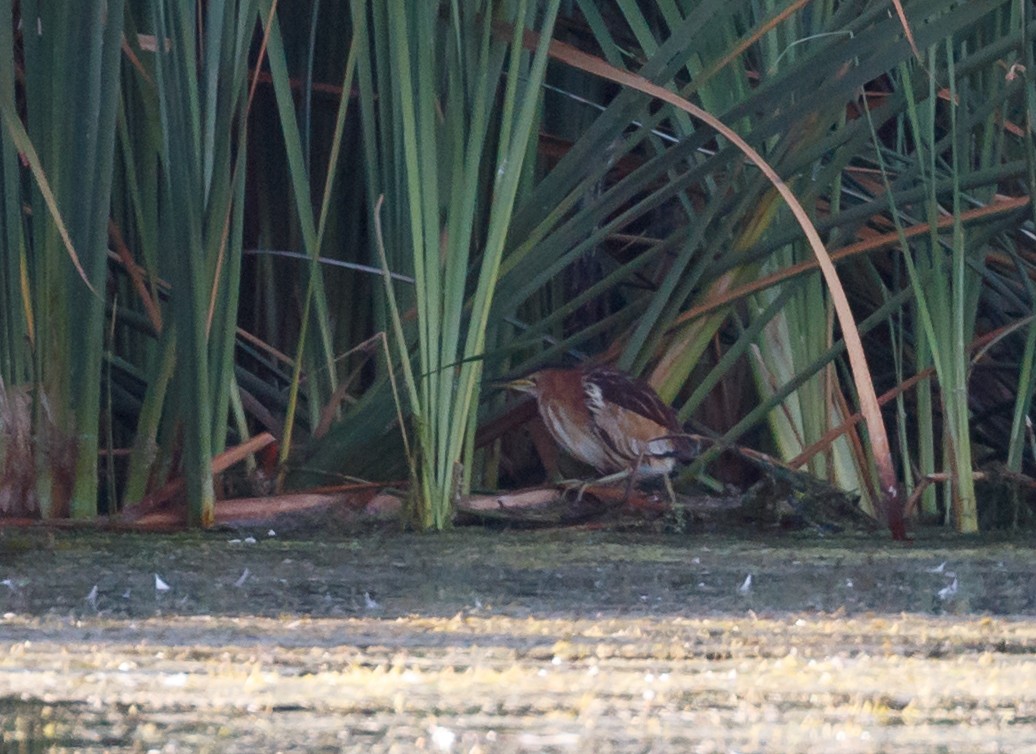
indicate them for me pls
(609, 420)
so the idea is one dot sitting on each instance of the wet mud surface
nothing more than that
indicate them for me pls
(516, 641)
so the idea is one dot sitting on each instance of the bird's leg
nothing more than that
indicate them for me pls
(669, 489)
(618, 476)
(633, 476)
(670, 493)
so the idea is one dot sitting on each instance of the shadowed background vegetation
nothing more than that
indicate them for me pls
(334, 221)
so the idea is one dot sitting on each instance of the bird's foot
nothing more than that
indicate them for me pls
(579, 486)
(606, 490)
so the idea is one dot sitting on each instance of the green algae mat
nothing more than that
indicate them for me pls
(516, 641)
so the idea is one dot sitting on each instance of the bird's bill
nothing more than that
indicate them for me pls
(522, 384)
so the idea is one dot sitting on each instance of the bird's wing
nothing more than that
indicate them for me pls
(631, 417)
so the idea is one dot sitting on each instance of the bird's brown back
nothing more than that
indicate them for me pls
(630, 414)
